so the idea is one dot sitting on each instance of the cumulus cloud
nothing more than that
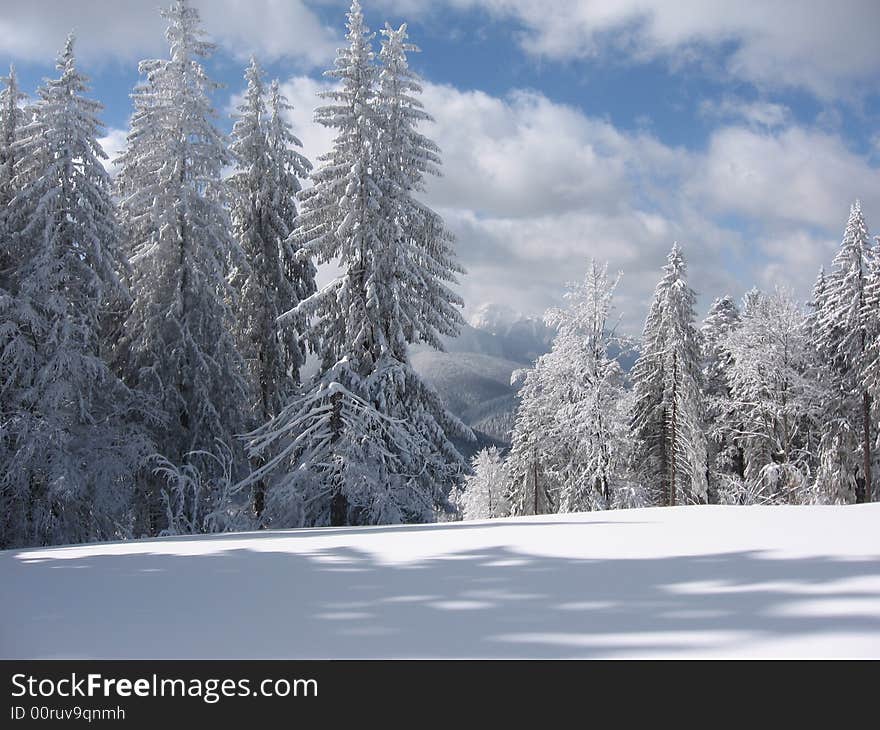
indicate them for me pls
(754, 113)
(793, 176)
(826, 47)
(35, 30)
(795, 259)
(113, 143)
(533, 188)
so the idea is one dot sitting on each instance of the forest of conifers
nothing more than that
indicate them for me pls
(154, 325)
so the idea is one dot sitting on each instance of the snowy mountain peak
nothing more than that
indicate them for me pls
(494, 318)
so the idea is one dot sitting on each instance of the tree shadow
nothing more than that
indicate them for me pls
(312, 532)
(342, 602)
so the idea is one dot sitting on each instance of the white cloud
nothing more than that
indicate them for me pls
(754, 113)
(795, 259)
(113, 143)
(532, 189)
(505, 154)
(35, 30)
(792, 176)
(828, 47)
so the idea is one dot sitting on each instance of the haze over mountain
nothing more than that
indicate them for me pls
(474, 374)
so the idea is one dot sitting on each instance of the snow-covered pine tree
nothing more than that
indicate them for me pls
(263, 207)
(290, 167)
(12, 118)
(367, 441)
(69, 447)
(816, 304)
(775, 398)
(751, 299)
(178, 347)
(414, 271)
(871, 369)
(483, 495)
(263, 210)
(570, 434)
(817, 371)
(725, 457)
(533, 447)
(668, 417)
(844, 333)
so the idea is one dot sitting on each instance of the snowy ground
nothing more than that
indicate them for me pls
(680, 582)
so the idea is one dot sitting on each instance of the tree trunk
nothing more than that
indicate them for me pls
(339, 510)
(674, 429)
(259, 502)
(535, 481)
(867, 496)
(339, 502)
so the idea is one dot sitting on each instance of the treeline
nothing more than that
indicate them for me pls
(153, 327)
(767, 402)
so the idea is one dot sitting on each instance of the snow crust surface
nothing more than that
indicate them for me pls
(663, 582)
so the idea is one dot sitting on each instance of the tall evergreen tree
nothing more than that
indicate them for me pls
(751, 300)
(725, 456)
(870, 375)
(418, 262)
(264, 189)
(179, 346)
(276, 279)
(668, 418)
(68, 449)
(816, 304)
(12, 118)
(817, 368)
(369, 441)
(844, 333)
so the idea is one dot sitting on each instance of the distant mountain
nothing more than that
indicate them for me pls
(475, 387)
(473, 375)
(501, 331)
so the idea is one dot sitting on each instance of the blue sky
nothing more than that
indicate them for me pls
(571, 128)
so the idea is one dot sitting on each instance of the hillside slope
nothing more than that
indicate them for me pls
(673, 582)
(473, 375)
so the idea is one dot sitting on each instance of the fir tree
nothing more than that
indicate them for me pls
(263, 192)
(844, 332)
(414, 272)
(870, 375)
(178, 346)
(725, 457)
(668, 418)
(264, 189)
(12, 118)
(817, 367)
(751, 300)
(368, 441)
(816, 305)
(69, 449)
